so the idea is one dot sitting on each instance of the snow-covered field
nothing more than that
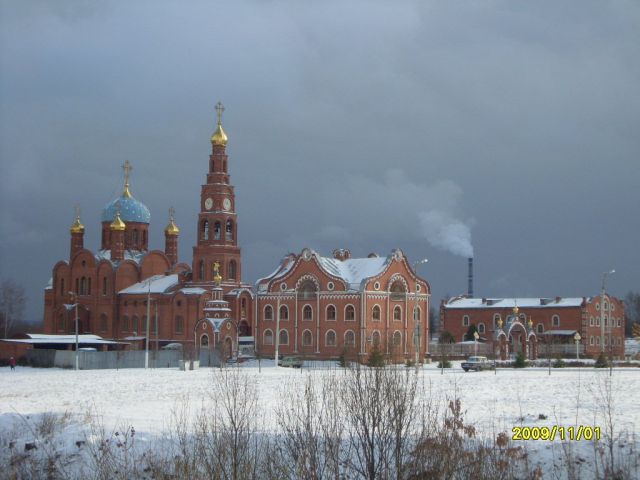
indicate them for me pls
(493, 402)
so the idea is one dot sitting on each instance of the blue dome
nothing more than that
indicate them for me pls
(131, 210)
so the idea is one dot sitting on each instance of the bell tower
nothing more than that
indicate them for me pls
(217, 229)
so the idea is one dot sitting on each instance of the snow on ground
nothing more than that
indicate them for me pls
(493, 401)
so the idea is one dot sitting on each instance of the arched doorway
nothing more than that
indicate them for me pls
(204, 341)
(228, 347)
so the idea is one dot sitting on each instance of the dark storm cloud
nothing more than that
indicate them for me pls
(366, 125)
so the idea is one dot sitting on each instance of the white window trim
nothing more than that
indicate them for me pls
(264, 336)
(335, 338)
(345, 313)
(326, 313)
(311, 333)
(303, 317)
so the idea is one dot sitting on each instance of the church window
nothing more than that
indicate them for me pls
(349, 338)
(307, 338)
(89, 286)
(135, 324)
(268, 312)
(232, 269)
(330, 339)
(555, 320)
(465, 321)
(179, 303)
(284, 337)
(349, 313)
(135, 238)
(104, 285)
(83, 286)
(284, 313)
(205, 230)
(307, 290)
(243, 303)
(375, 338)
(496, 317)
(540, 328)
(144, 237)
(376, 313)
(179, 324)
(397, 313)
(416, 314)
(229, 230)
(216, 231)
(481, 328)
(62, 286)
(268, 337)
(204, 341)
(84, 264)
(125, 323)
(331, 312)
(103, 323)
(201, 270)
(307, 313)
(397, 339)
(398, 292)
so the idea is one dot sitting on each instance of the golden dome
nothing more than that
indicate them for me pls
(117, 224)
(77, 226)
(172, 228)
(219, 137)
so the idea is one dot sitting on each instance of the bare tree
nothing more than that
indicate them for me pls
(12, 301)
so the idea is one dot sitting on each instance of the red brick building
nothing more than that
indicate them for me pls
(322, 307)
(113, 284)
(541, 323)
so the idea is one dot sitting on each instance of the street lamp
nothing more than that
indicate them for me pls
(74, 298)
(602, 294)
(416, 320)
(475, 343)
(577, 338)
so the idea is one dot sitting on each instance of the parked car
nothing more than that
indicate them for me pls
(294, 362)
(477, 363)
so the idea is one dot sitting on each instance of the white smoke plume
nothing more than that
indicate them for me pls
(447, 233)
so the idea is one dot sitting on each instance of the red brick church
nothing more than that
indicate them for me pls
(323, 306)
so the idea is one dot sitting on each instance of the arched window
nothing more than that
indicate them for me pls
(375, 338)
(540, 328)
(496, 317)
(331, 312)
(330, 339)
(135, 238)
(349, 338)
(398, 291)
(349, 313)
(104, 285)
(307, 313)
(205, 230)
(284, 337)
(232, 270)
(125, 323)
(268, 312)
(83, 286)
(135, 327)
(62, 292)
(103, 323)
(481, 328)
(284, 312)
(397, 339)
(307, 338)
(375, 314)
(268, 337)
(397, 313)
(204, 341)
(307, 291)
(179, 324)
(416, 314)
(201, 270)
(229, 230)
(217, 231)
(555, 320)
(89, 286)
(465, 321)
(144, 237)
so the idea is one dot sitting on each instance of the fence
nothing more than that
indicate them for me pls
(102, 360)
(459, 349)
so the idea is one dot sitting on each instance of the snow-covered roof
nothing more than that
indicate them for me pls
(463, 302)
(134, 255)
(354, 270)
(559, 332)
(40, 338)
(154, 284)
(193, 291)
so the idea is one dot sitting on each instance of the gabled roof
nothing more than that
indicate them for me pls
(153, 284)
(494, 303)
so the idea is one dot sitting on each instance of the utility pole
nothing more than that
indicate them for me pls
(416, 319)
(602, 295)
(146, 340)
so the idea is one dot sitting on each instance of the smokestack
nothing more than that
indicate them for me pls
(470, 285)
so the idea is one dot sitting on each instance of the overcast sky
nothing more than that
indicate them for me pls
(510, 128)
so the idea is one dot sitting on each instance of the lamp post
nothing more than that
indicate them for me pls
(602, 295)
(75, 304)
(146, 340)
(416, 319)
(577, 338)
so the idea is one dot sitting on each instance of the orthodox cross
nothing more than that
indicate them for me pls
(127, 169)
(219, 109)
(77, 209)
(172, 213)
